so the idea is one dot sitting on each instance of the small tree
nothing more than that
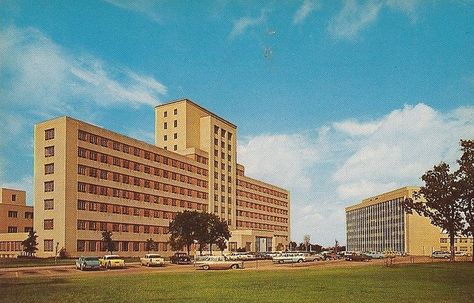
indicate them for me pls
(218, 230)
(30, 244)
(465, 186)
(150, 245)
(108, 242)
(441, 205)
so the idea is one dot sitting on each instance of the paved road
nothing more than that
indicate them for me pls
(134, 268)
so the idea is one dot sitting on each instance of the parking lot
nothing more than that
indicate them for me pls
(135, 267)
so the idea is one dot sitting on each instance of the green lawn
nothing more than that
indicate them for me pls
(435, 282)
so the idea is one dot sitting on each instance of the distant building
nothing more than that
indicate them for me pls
(16, 220)
(380, 223)
(89, 179)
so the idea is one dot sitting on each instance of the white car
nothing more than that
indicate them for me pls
(294, 258)
(374, 254)
(218, 262)
(152, 260)
(441, 255)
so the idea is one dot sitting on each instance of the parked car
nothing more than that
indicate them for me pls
(294, 258)
(218, 262)
(84, 263)
(357, 257)
(441, 255)
(152, 260)
(374, 254)
(180, 258)
(461, 254)
(112, 261)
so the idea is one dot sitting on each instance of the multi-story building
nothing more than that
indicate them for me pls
(89, 179)
(16, 220)
(380, 223)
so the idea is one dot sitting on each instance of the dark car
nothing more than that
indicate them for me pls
(180, 258)
(357, 257)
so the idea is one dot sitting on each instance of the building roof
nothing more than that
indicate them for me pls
(383, 197)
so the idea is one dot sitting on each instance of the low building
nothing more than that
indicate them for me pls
(16, 220)
(380, 223)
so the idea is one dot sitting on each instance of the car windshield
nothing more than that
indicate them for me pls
(154, 256)
(91, 259)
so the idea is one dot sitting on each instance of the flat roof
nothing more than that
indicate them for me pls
(200, 107)
(396, 193)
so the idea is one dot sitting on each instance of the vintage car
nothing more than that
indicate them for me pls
(374, 254)
(152, 260)
(180, 258)
(84, 263)
(441, 255)
(357, 257)
(112, 261)
(294, 258)
(217, 262)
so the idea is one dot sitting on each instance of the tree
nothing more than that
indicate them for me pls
(438, 200)
(292, 245)
(107, 240)
(183, 229)
(217, 229)
(465, 186)
(150, 245)
(30, 244)
(221, 244)
(306, 239)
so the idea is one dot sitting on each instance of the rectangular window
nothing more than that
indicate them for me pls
(165, 125)
(116, 145)
(165, 114)
(136, 228)
(12, 214)
(103, 142)
(12, 229)
(125, 246)
(175, 147)
(48, 204)
(165, 138)
(81, 169)
(49, 134)
(136, 246)
(175, 111)
(81, 152)
(175, 136)
(49, 186)
(49, 168)
(48, 224)
(49, 151)
(81, 187)
(81, 245)
(48, 245)
(82, 135)
(92, 246)
(28, 215)
(175, 123)
(81, 205)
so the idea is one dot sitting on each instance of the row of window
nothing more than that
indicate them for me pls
(127, 149)
(261, 198)
(175, 112)
(254, 225)
(260, 216)
(121, 227)
(223, 132)
(120, 162)
(14, 229)
(127, 179)
(138, 196)
(11, 246)
(457, 240)
(14, 214)
(95, 245)
(262, 189)
(262, 207)
(136, 211)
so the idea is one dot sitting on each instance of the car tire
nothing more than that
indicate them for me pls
(300, 261)
(205, 267)
(234, 266)
(280, 262)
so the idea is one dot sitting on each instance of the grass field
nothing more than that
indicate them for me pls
(436, 282)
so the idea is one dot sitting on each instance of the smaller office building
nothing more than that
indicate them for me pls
(16, 220)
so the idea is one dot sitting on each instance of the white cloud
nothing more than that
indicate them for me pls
(353, 18)
(145, 7)
(304, 10)
(243, 24)
(338, 165)
(36, 69)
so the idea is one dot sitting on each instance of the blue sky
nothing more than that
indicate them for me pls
(335, 100)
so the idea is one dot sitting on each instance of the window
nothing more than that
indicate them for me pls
(229, 136)
(28, 215)
(125, 246)
(81, 245)
(165, 137)
(49, 151)
(116, 146)
(82, 135)
(81, 205)
(81, 170)
(103, 142)
(165, 125)
(93, 139)
(175, 147)
(92, 246)
(103, 174)
(49, 134)
(216, 129)
(103, 158)
(48, 245)
(175, 136)
(13, 198)
(175, 112)
(136, 228)
(28, 229)
(48, 204)
(12, 214)
(12, 229)
(49, 186)
(81, 152)
(175, 123)
(165, 114)
(81, 187)
(48, 224)
(49, 168)
(136, 246)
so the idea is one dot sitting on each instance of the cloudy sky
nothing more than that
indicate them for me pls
(334, 100)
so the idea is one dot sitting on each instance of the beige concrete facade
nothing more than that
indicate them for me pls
(16, 220)
(89, 179)
(380, 223)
